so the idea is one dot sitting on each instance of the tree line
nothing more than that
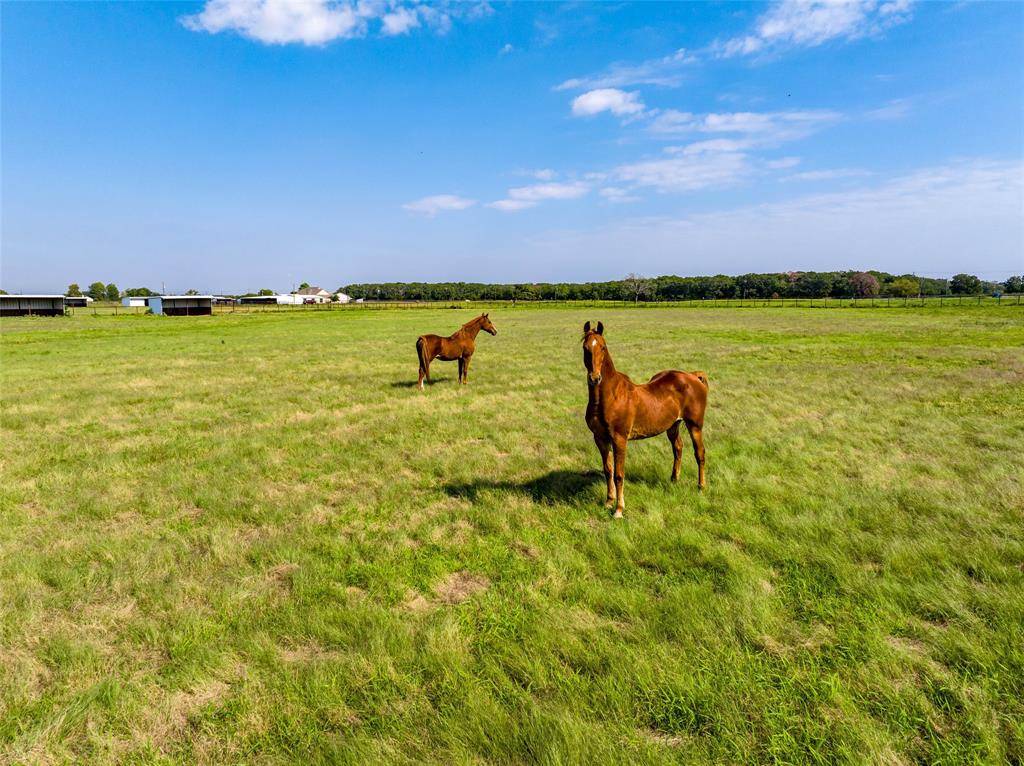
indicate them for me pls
(792, 284)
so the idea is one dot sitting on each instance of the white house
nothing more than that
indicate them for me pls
(342, 298)
(313, 295)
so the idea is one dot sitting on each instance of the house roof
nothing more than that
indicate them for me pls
(311, 291)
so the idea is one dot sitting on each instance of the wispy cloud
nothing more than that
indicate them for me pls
(684, 169)
(523, 197)
(896, 109)
(618, 195)
(757, 127)
(317, 22)
(438, 203)
(959, 214)
(827, 175)
(618, 102)
(810, 23)
(506, 49)
(666, 71)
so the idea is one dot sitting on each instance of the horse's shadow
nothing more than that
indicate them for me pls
(555, 486)
(552, 487)
(414, 384)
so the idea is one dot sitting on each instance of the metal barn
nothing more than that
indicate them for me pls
(77, 301)
(181, 305)
(31, 305)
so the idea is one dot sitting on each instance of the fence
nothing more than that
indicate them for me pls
(818, 303)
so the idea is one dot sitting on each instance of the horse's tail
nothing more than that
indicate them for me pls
(421, 353)
(702, 377)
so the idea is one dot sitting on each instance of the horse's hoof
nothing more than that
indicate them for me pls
(617, 514)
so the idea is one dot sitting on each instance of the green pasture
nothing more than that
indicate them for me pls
(248, 538)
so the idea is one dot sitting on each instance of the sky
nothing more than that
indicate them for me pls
(232, 145)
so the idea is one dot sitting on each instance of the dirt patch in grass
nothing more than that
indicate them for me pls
(460, 586)
(417, 604)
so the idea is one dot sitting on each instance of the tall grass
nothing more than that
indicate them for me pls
(249, 538)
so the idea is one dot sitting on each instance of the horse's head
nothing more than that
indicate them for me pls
(486, 325)
(594, 352)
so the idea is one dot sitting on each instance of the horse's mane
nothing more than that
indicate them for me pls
(471, 322)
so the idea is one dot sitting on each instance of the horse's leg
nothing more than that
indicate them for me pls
(676, 439)
(462, 367)
(608, 465)
(619, 446)
(465, 370)
(697, 437)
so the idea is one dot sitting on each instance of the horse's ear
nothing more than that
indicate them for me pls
(600, 328)
(586, 327)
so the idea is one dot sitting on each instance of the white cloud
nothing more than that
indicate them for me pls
(896, 109)
(809, 23)
(685, 170)
(506, 49)
(523, 197)
(317, 22)
(438, 203)
(399, 21)
(782, 163)
(661, 71)
(618, 102)
(964, 216)
(765, 128)
(828, 175)
(618, 195)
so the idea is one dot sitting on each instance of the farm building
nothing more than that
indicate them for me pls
(135, 300)
(312, 295)
(33, 305)
(342, 298)
(77, 301)
(271, 300)
(181, 305)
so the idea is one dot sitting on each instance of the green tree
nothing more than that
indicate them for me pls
(138, 291)
(304, 285)
(904, 287)
(112, 293)
(965, 284)
(97, 291)
(191, 291)
(265, 291)
(1014, 285)
(74, 290)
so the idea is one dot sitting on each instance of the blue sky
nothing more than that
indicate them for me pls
(232, 145)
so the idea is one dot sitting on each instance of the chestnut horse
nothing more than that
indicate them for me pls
(619, 410)
(459, 346)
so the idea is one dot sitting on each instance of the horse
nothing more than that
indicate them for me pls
(619, 410)
(459, 346)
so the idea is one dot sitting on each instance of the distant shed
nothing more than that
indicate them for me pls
(77, 301)
(181, 305)
(31, 305)
(135, 300)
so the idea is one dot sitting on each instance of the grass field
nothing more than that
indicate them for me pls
(248, 538)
